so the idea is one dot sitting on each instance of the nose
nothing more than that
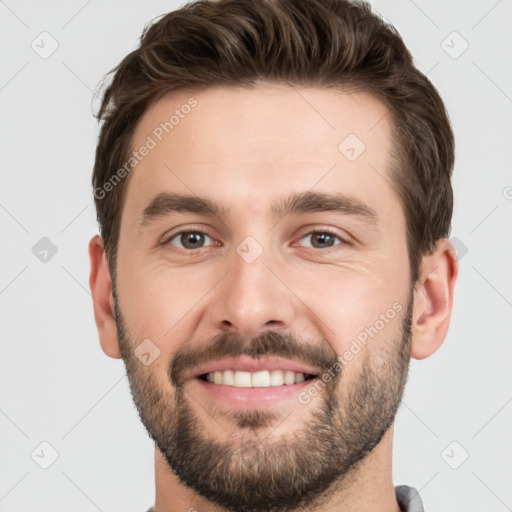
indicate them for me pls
(253, 298)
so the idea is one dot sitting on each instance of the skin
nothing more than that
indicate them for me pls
(243, 148)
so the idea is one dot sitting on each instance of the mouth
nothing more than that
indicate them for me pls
(244, 382)
(259, 379)
(244, 390)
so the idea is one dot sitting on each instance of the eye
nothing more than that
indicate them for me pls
(323, 239)
(188, 239)
(195, 239)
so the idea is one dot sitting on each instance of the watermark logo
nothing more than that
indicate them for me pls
(147, 352)
(44, 250)
(44, 45)
(455, 455)
(454, 45)
(460, 247)
(351, 147)
(44, 455)
(249, 249)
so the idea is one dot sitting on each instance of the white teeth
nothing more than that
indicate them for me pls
(289, 377)
(228, 377)
(261, 379)
(276, 378)
(242, 379)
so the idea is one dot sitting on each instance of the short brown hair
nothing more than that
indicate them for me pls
(319, 43)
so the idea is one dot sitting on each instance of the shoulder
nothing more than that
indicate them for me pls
(408, 498)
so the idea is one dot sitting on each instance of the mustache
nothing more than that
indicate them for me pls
(267, 344)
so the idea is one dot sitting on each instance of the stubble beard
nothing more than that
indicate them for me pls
(254, 472)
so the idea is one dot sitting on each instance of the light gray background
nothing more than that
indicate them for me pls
(56, 385)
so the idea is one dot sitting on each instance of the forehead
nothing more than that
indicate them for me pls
(243, 146)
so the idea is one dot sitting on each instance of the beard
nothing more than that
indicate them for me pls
(252, 473)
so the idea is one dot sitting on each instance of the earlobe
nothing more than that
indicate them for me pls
(103, 302)
(433, 299)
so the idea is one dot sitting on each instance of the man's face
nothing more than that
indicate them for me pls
(317, 291)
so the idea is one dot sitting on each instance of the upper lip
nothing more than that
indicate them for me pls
(249, 364)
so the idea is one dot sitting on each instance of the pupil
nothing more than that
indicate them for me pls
(192, 238)
(322, 237)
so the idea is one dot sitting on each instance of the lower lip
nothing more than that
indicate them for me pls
(235, 396)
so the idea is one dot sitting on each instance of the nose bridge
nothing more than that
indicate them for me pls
(252, 298)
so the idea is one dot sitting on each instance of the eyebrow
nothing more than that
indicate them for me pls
(165, 203)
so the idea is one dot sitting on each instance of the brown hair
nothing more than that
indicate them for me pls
(320, 43)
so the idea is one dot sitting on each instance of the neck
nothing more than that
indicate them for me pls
(368, 488)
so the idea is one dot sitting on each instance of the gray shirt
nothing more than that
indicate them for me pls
(408, 499)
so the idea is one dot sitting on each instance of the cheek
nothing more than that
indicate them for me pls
(347, 310)
(355, 304)
(161, 303)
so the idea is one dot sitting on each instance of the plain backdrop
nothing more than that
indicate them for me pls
(453, 430)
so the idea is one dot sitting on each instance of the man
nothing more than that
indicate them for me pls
(272, 183)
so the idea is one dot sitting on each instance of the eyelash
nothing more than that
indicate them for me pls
(323, 230)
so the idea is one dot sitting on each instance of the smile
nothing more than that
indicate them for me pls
(259, 379)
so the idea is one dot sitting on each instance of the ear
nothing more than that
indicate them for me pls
(103, 301)
(433, 299)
